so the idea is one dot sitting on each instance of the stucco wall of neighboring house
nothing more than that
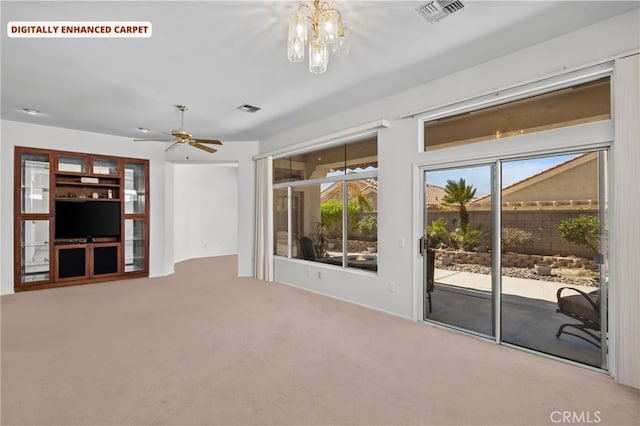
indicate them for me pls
(574, 182)
(579, 182)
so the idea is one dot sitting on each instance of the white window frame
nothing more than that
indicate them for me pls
(329, 179)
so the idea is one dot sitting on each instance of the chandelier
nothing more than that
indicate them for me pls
(327, 31)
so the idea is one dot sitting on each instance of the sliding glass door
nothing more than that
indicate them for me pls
(546, 291)
(455, 296)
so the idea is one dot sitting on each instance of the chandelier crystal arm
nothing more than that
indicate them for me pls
(304, 6)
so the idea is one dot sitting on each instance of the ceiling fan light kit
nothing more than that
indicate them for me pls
(328, 32)
(182, 136)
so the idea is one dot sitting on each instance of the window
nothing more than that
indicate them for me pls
(311, 191)
(579, 104)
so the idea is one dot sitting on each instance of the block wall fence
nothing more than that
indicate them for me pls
(542, 224)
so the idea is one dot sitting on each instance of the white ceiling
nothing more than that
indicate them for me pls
(216, 55)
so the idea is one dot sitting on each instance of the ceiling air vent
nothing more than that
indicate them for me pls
(249, 108)
(437, 9)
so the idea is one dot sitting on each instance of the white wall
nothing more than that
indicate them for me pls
(168, 212)
(240, 153)
(3, 190)
(399, 149)
(205, 221)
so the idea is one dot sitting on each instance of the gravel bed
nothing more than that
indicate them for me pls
(528, 273)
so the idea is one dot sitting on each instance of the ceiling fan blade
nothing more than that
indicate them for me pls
(211, 141)
(181, 135)
(173, 145)
(202, 147)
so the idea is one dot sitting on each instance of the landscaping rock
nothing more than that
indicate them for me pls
(514, 272)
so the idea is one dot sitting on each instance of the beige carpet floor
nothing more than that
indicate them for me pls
(205, 347)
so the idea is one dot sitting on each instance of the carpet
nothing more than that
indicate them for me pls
(203, 346)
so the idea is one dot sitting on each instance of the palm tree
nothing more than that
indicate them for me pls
(458, 194)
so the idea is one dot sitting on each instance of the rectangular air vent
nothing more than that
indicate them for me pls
(248, 108)
(437, 9)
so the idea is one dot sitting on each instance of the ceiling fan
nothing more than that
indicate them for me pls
(182, 136)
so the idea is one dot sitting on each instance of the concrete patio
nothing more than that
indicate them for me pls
(529, 317)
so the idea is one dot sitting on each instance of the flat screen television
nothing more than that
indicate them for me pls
(87, 219)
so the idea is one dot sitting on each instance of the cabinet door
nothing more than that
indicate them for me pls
(105, 259)
(72, 262)
(32, 217)
(136, 217)
(34, 185)
(135, 192)
(105, 166)
(34, 251)
(71, 163)
(135, 247)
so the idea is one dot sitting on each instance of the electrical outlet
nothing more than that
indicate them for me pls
(319, 275)
(391, 286)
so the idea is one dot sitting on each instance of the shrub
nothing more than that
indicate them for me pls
(582, 230)
(368, 225)
(331, 217)
(466, 238)
(437, 233)
(515, 238)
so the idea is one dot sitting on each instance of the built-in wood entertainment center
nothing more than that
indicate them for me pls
(79, 218)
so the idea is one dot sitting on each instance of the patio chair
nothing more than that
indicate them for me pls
(583, 307)
(307, 249)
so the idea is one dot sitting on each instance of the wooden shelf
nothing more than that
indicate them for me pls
(66, 188)
(112, 185)
(87, 199)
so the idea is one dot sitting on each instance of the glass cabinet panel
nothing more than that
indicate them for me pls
(34, 265)
(105, 167)
(35, 183)
(72, 163)
(134, 188)
(134, 245)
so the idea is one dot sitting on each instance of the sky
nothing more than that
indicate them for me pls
(480, 176)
